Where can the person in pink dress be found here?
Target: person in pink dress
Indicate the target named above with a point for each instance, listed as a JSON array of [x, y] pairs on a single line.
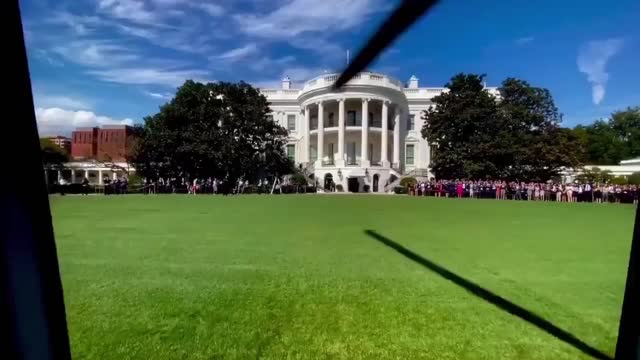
[[460, 189]]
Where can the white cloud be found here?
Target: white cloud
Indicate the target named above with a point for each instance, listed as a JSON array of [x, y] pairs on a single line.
[[161, 96], [211, 9], [57, 121], [51, 101], [592, 61], [263, 63], [95, 53], [524, 40], [237, 53], [300, 16], [132, 10], [149, 76]]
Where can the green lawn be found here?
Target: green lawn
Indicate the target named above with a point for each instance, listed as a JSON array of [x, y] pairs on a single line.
[[275, 277]]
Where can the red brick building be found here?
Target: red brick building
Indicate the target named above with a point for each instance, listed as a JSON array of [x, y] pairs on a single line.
[[109, 143], [84, 143]]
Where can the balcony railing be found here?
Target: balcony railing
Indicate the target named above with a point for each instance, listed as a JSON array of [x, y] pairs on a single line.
[[376, 163], [353, 162], [329, 162]]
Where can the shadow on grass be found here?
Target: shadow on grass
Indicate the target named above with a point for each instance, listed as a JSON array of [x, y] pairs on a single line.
[[492, 298]]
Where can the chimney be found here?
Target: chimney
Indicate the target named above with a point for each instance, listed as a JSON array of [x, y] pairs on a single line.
[[413, 82], [286, 83]]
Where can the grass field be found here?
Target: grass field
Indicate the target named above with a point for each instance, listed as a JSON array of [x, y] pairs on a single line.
[[275, 277]]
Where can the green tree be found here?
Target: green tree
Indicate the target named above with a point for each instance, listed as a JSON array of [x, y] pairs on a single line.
[[218, 130], [540, 146], [53, 155], [634, 178], [464, 127], [607, 142], [517, 137]]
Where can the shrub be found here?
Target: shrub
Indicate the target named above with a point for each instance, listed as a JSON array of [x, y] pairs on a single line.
[[400, 190], [366, 188], [619, 180], [634, 179], [298, 179], [339, 188], [409, 180], [135, 181]]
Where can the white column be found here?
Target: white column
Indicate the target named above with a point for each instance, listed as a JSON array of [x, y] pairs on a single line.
[[320, 134], [396, 138], [86, 174], [340, 160], [46, 176], [307, 137], [384, 150], [59, 175], [114, 176], [73, 176], [364, 146], [100, 177]]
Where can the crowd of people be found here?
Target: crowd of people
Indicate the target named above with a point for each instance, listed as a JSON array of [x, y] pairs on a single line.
[[535, 191], [205, 186], [117, 186]]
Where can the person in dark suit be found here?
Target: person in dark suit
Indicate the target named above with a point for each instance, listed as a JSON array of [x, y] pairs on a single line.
[[85, 186]]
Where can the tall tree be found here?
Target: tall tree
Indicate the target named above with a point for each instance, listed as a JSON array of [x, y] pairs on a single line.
[[216, 129], [53, 155], [516, 137], [463, 126], [540, 147], [607, 142]]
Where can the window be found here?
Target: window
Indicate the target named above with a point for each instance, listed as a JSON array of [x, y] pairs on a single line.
[[409, 154], [291, 152], [411, 124], [370, 119], [351, 118], [351, 153], [331, 121], [314, 122], [291, 122], [314, 153], [330, 153]]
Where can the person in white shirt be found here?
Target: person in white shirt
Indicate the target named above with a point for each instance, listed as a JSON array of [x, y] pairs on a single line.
[[62, 184]]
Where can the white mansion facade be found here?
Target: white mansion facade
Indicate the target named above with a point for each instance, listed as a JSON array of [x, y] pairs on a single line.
[[362, 137]]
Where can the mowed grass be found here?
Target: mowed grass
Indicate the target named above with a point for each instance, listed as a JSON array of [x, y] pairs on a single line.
[[296, 277]]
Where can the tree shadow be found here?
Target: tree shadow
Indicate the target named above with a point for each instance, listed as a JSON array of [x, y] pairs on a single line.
[[492, 298]]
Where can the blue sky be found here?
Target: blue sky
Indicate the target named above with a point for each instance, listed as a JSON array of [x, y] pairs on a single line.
[[96, 62]]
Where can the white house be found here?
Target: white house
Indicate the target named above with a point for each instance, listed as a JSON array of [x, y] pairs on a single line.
[[365, 134], [624, 169]]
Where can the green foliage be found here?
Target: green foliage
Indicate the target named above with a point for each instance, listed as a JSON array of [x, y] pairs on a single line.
[[619, 180], [406, 181], [52, 154], [298, 179], [517, 137], [607, 142], [218, 130], [135, 181], [399, 190], [634, 179], [594, 175]]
